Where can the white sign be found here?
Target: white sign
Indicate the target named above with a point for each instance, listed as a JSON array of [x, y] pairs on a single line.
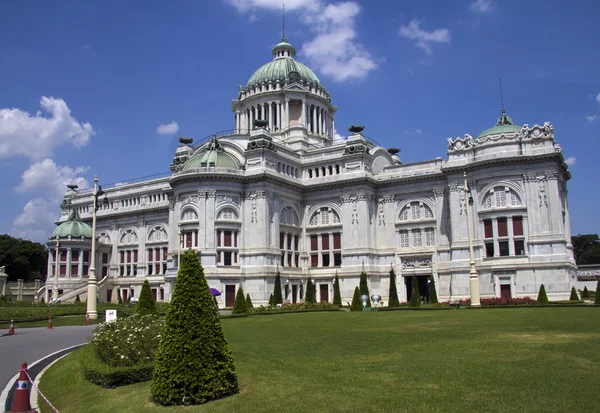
[[111, 315]]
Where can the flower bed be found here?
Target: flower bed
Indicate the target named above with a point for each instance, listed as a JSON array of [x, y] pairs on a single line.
[[294, 308]]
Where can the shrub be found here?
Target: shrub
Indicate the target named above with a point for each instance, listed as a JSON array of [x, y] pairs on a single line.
[[432, 292], [574, 296], [42, 301], [193, 363], [249, 304], [310, 292], [146, 304], [356, 302], [364, 287], [597, 296], [337, 297], [507, 301], [393, 296], [97, 372], [415, 296], [277, 298], [77, 300], [295, 308], [542, 296], [586, 293], [239, 306], [120, 300], [271, 300]]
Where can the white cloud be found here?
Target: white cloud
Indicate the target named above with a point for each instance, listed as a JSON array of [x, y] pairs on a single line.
[[482, 6], [422, 37], [413, 132], [571, 161], [337, 138], [167, 128], [48, 182], [36, 136], [334, 51], [591, 118]]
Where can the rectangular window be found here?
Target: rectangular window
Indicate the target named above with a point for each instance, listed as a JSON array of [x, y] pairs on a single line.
[[295, 242], [520, 247], [196, 238], [105, 258], [128, 256], [227, 239], [74, 269], [164, 268], [74, 255], [165, 254], [122, 270], [314, 246], [135, 256], [122, 257], [188, 240], [289, 242], [337, 259], [289, 257], [227, 258], [281, 240], [63, 255], [63, 270], [517, 225], [487, 228], [157, 269], [489, 249], [502, 228], [85, 270], [314, 260], [86, 256], [297, 262], [129, 270], [337, 241], [325, 241], [150, 266], [104, 272], [218, 238], [283, 259], [235, 239], [503, 245], [325, 259]]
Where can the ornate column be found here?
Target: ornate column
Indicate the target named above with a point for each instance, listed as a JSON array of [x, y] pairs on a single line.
[[319, 119], [303, 116], [287, 113], [252, 114], [68, 262], [279, 124], [314, 120], [210, 219], [270, 116]]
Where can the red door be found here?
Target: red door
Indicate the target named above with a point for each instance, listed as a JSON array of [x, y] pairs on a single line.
[[505, 291], [125, 296], [324, 288], [229, 295], [294, 293]]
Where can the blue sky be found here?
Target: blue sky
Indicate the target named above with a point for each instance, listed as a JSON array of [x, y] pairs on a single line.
[[86, 85]]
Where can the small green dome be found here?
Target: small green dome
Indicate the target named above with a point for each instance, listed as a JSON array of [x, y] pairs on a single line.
[[283, 67], [212, 154], [73, 227], [504, 125]]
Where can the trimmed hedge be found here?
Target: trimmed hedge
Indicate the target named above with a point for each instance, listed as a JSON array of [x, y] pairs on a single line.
[[101, 374], [337, 296], [415, 295], [574, 295], [393, 295], [364, 286], [239, 305], [433, 299], [356, 303], [277, 297], [249, 304], [146, 304], [542, 296], [310, 296]]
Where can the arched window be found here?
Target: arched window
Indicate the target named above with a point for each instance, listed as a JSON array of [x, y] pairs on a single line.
[[189, 214], [324, 216], [416, 211], [501, 197], [289, 217], [227, 214]]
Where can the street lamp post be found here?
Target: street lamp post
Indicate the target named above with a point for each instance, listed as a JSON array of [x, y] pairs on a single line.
[[92, 291], [473, 279], [55, 286]]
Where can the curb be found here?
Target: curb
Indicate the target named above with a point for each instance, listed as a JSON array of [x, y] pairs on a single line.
[[8, 391]]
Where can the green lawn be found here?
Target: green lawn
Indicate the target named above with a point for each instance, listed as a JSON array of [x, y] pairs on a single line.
[[495, 360], [75, 320]]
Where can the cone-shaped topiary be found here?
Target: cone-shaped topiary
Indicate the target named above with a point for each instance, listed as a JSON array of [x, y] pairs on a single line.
[[249, 304], [120, 300], [597, 296], [146, 304], [77, 300], [271, 300], [337, 297], [415, 296], [278, 299], [574, 296], [586, 293], [542, 296], [393, 299], [310, 292], [239, 306], [356, 301], [42, 301], [432, 292], [193, 362], [364, 287]]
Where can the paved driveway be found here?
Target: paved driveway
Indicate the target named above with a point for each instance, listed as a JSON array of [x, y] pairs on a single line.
[[31, 344]]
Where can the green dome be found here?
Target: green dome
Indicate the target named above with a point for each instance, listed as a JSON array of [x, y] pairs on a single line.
[[212, 154], [73, 228], [504, 125], [282, 66]]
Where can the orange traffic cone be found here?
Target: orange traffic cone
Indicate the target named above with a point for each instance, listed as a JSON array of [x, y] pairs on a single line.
[[87, 319], [11, 329], [21, 398], [49, 322]]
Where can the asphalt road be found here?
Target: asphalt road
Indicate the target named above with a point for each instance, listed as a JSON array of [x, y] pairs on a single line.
[[31, 344]]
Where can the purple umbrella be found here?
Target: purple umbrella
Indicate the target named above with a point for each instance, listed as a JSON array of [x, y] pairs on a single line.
[[214, 292]]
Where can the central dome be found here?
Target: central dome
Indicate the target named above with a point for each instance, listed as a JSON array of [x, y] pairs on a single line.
[[283, 67]]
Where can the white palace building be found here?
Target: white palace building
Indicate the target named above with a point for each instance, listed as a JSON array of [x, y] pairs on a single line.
[[277, 193]]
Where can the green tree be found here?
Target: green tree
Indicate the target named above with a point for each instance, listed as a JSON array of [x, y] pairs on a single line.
[[415, 296], [393, 299], [77, 300], [574, 296], [337, 296], [432, 292], [277, 298], [271, 300], [597, 295], [586, 293], [586, 248], [364, 287], [542, 296], [356, 301], [146, 304], [42, 300], [193, 362], [310, 292], [23, 259], [239, 306], [120, 299], [249, 304]]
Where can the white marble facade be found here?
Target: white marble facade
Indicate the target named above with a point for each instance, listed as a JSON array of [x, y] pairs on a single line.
[[285, 196]]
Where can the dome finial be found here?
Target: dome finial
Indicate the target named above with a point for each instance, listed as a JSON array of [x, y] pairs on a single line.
[[504, 119], [283, 39]]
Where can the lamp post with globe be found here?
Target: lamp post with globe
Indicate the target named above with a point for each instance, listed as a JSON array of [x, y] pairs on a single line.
[[92, 290]]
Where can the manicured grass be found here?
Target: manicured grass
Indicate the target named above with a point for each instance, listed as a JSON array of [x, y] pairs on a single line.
[[76, 320], [513, 360]]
